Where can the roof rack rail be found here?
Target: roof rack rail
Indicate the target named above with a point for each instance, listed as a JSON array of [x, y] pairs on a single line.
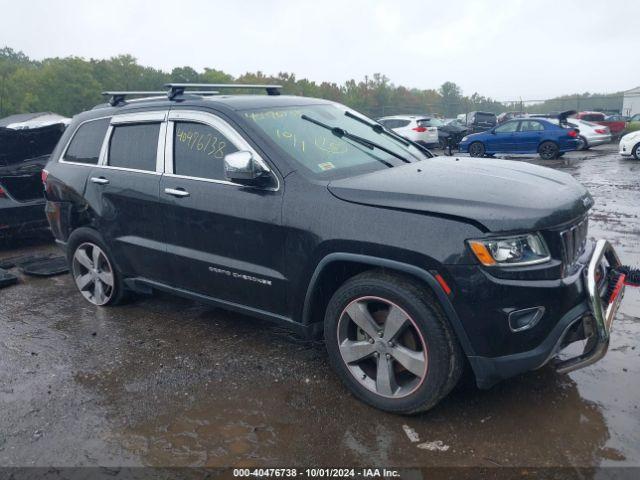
[[120, 96], [176, 89]]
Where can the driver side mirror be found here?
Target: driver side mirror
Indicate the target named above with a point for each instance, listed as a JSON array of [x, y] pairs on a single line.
[[241, 167]]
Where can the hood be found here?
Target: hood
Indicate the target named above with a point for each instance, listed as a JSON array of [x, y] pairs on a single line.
[[501, 195]]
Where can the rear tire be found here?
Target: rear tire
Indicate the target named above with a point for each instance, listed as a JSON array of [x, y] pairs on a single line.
[[390, 343], [548, 150], [93, 269], [476, 149], [636, 152]]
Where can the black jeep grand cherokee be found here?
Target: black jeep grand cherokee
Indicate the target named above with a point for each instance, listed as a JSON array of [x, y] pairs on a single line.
[[303, 211]]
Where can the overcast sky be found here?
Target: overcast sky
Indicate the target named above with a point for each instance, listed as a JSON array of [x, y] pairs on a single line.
[[503, 49]]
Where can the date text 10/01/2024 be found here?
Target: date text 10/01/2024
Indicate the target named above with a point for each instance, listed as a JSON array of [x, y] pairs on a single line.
[[317, 472]]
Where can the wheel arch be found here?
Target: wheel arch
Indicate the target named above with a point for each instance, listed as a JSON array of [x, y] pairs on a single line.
[[343, 266], [547, 140]]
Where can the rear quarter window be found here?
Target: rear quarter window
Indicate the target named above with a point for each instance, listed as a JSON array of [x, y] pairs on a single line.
[[87, 141]]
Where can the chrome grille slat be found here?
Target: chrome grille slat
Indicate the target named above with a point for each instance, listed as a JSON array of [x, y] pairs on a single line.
[[574, 240]]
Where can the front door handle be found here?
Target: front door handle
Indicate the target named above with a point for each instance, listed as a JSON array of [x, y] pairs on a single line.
[[99, 180], [177, 192]]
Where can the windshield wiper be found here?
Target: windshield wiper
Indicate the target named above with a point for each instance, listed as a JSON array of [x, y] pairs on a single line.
[[381, 129], [376, 127], [342, 133]]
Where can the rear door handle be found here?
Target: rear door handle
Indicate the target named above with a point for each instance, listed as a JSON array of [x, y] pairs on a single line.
[[177, 192], [99, 180]]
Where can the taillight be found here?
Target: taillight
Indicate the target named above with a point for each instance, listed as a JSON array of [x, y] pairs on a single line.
[[601, 131], [43, 175], [572, 133], [2, 193], [419, 129]]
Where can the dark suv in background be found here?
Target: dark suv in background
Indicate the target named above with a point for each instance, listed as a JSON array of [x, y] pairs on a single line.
[[481, 121], [304, 212]]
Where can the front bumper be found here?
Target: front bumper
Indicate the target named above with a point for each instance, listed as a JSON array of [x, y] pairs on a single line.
[[589, 319], [602, 314], [626, 148]]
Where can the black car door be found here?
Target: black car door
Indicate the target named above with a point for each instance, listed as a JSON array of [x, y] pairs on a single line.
[[123, 192], [224, 240]]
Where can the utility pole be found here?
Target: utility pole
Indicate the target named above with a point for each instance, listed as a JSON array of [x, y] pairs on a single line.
[[4, 76]]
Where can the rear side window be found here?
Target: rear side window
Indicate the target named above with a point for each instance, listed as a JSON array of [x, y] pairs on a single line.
[[592, 117], [134, 146], [395, 123], [199, 151], [87, 142]]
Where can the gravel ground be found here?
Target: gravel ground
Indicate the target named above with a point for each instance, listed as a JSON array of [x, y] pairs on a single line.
[[168, 382]]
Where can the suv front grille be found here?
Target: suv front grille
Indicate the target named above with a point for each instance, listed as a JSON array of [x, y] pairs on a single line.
[[574, 240]]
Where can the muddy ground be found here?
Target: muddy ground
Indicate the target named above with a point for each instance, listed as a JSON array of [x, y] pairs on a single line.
[[166, 381]]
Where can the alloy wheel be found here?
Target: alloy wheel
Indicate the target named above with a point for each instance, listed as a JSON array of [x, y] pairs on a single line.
[[548, 151], [476, 150], [93, 273], [382, 347]]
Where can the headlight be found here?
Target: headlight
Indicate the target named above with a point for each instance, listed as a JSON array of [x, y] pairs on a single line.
[[464, 139], [511, 251]]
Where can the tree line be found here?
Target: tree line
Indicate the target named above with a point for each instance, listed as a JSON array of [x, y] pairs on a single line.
[[72, 84]]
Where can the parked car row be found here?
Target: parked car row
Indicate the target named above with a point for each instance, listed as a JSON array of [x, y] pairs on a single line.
[[484, 133]]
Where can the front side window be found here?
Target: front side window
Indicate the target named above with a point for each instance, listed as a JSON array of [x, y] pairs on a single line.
[[199, 150], [531, 126], [322, 153], [508, 127], [134, 146], [87, 142]]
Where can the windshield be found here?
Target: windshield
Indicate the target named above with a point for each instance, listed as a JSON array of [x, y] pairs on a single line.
[[319, 151], [485, 117], [430, 122]]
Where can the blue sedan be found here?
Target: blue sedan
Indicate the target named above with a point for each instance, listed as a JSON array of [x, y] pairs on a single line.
[[547, 138]]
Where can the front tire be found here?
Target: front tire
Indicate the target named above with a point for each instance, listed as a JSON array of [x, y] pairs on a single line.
[[548, 151], [476, 149], [636, 152], [93, 269], [390, 343]]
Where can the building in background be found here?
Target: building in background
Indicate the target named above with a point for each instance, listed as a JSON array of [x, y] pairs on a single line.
[[631, 102]]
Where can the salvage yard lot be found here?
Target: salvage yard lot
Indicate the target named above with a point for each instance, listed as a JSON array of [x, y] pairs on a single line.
[[166, 381]]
